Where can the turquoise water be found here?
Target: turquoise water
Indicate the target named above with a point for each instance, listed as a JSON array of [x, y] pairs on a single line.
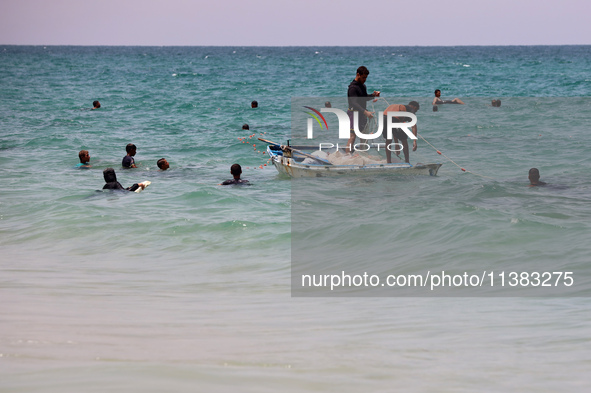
[[187, 286]]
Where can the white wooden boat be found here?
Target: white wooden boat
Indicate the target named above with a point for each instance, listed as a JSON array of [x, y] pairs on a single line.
[[290, 161]]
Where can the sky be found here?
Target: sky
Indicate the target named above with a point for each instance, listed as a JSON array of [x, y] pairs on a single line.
[[295, 23]]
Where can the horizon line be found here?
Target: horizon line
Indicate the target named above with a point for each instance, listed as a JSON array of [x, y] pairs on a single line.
[[295, 46]]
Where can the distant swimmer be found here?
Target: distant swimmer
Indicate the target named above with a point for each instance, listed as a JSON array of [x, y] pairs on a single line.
[[96, 105], [534, 178], [357, 99], [162, 164], [496, 103], [398, 133], [236, 171], [128, 161], [254, 104], [113, 184], [84, 157], [327, 104], [438, 101], [245, 127]]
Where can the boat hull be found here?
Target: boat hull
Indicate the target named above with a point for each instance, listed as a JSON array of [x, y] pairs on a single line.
[[293, 168]]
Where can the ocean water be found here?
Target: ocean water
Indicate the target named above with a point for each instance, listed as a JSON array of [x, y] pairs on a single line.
[[187, 286]]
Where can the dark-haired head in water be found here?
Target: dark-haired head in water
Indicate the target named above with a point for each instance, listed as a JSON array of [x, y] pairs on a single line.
[[96, 104], [254, 104], [245, 127], [534, 178], [236, 171], [162, 164], [113, 184]]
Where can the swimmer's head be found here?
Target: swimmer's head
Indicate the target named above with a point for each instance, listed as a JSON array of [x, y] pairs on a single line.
[[327, 104], [109, 175], [130, 149], [96, 104], [162, 164], [245, 127], [84, 156], [254, 104], [496, 103], [534, 175], [414, 105], [437, 93], [236, 170]]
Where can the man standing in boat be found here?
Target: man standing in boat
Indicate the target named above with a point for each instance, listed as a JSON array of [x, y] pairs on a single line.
[[358, 97], [399, 134]]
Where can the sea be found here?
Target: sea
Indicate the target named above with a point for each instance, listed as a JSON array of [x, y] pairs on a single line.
[[190, 286]]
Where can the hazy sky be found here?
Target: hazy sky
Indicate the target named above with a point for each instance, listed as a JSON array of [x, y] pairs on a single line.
[[297, 22]]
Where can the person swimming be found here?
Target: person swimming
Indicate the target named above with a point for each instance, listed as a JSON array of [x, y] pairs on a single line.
[[84, 157], [438, 101], [534, 178], [113, 184], [162, 164], [236, 171], [128, 161], [96, 105]]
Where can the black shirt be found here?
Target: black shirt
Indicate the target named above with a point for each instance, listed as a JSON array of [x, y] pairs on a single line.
[[358, 96], [127, 161], [234, 181], [117, 186]]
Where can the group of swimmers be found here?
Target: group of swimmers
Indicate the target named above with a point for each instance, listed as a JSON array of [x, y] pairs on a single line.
[[128, 162], [534, 173]]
